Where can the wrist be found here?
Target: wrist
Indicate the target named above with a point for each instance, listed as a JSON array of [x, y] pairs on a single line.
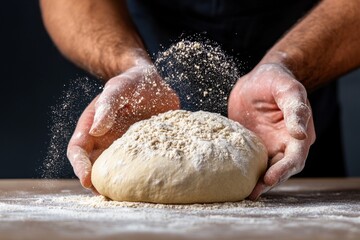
[[292, 60], [295, 62], [117, 64]]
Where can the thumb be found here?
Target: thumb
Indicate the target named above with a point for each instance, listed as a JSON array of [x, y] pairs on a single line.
[[113, 98], [295, 108], [104, 119], [81, 164]]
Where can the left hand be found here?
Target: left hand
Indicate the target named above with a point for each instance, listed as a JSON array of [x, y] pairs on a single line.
[[134, 95], [272, 103]]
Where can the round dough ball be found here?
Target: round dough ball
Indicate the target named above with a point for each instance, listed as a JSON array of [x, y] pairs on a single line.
[[181, 157]]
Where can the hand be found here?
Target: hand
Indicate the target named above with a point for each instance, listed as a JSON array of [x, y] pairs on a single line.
[[127, 98], [273, 104]]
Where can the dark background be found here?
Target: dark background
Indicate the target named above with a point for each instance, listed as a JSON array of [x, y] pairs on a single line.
[[35, 77]]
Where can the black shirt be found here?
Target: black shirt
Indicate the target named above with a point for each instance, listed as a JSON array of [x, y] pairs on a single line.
[[247, 29]]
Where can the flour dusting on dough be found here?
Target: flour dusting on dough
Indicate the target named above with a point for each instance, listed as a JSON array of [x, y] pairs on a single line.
[[181, 157]]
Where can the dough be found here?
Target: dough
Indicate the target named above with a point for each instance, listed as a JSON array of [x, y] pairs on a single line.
[[181, 157]]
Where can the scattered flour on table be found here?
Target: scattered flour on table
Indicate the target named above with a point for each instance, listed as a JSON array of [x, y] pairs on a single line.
[[326, 215], [102, 202]]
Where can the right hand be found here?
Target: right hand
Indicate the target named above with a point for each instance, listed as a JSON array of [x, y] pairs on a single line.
[[273, 104], [134, 95]]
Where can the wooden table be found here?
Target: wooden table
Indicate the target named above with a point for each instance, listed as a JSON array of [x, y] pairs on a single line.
[[298, 209]]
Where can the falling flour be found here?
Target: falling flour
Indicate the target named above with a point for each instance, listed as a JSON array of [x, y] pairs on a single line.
[[198, 70], [63, 118], [201, 73]]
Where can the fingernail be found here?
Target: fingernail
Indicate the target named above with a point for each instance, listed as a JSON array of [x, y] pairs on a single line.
[[256, 197], [303, 129], [93, 130], [265, 190], [103, 120], [89, 186], [85, 181]]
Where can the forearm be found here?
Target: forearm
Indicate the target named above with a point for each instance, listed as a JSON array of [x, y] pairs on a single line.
[[322, 46], [98, 36]]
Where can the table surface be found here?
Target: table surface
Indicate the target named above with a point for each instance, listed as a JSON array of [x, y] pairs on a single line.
[[298, 209]]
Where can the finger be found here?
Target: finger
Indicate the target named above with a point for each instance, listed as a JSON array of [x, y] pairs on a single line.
[[293, 162], [80, 145], [81, 164], [259, 189], [104, 119], [94, 191], [292, 100], [114, 97]]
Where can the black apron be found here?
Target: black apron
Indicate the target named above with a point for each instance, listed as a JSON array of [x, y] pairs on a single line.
[[246, 29]]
